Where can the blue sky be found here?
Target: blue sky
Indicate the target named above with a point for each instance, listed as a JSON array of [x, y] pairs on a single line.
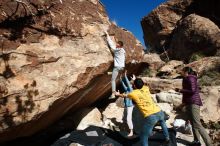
[[128, 13]]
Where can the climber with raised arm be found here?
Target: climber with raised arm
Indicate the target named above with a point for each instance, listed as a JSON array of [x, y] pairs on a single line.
[[119, 61]]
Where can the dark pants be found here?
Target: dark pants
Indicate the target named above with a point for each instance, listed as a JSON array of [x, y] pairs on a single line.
[[194, 116]]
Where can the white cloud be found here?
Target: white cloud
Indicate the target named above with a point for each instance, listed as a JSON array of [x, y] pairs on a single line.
[[114, 22]]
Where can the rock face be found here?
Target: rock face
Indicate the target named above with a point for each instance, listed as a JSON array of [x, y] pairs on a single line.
[[92, 117], [152, 64], [170, 66], [211, 100], [208, 70], [169, 97], [153, 60], [54, 59], [114, 111], [157, 85], [195, 34], [184, 28], [160, 23], [170, 70], [206, 64]]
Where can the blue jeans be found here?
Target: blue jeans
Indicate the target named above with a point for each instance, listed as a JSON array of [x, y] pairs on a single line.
[[148, 125], [114, 76]]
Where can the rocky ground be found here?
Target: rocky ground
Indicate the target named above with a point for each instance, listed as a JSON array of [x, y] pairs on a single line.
[[112, 118]]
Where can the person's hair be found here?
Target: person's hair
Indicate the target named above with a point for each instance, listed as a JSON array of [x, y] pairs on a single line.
[[194, 73], [189, 70], [120, 43], [138, 83], [129, 77]]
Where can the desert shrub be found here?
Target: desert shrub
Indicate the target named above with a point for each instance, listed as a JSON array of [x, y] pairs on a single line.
[[147, 72], [210, 78], [196, 56]]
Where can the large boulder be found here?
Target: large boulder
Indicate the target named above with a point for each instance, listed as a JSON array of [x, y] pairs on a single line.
[[211, 103], [166, 107], [206, 64], [194, 34], [152, 64], [157, 85], [208, 70], [153, 60], [159, 24], [165, 27], [169, 70], [88, 117], [54, 60], [114, 113], [170, 66], [169, 97]]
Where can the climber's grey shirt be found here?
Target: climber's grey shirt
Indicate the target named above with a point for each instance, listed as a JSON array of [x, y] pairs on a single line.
[[119, 53]]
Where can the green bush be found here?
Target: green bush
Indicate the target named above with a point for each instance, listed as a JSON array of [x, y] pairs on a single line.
[[210, 78], [147, 72], [196, 56]]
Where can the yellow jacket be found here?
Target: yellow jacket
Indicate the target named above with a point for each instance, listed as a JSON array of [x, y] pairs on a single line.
[[144, 101]]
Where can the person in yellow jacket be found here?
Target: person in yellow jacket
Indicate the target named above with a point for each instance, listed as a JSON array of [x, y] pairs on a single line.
[[151, 112]]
